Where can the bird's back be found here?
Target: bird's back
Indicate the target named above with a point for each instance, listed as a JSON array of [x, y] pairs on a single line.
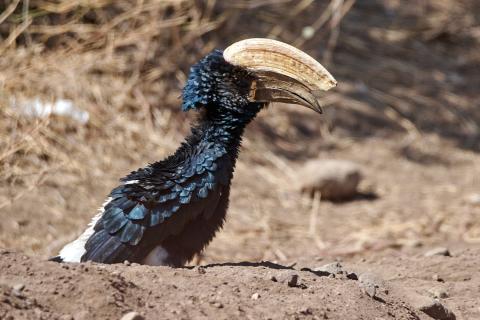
[[154, 207]]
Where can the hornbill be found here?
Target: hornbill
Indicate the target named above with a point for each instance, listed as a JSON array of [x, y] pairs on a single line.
[[168, 211]]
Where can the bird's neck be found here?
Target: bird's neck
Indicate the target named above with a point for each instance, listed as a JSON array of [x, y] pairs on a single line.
[[225, 128]]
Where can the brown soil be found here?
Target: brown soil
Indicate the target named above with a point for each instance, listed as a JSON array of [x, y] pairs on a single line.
[[406, 110], [35, 289]]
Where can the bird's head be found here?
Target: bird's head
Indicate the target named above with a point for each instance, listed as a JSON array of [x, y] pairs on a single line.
[[255, 71]]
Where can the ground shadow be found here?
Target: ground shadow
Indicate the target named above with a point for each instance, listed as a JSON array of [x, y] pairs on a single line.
[[264, 264]]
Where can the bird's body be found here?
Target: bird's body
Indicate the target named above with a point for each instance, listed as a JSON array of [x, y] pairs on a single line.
[[168, 211]]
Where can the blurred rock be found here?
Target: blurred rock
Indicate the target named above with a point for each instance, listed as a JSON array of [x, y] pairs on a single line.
[[352, 276], [132, 316], [18, 287], [17, 290], [331, 268], [429, 306], [370, 283], [289, 277], [333, 179], [436, 310], [201, 270], [473, 199], [438, 293], [436, 277], [440, 251]]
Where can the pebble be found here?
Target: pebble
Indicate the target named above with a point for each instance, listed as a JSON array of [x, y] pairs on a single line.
[[473, 198], [436, 310], [18, 287], [306, 311], [369, 288], [334, 179], [201, 270], [255, 296], [293, 280], [432, 307], [331, 268], [370, 283], [352, 276], [438, 293], [132, 316], [436, 277], [440, 251], [290, 278]]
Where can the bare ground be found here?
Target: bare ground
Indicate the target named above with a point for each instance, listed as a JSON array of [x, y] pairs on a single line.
[[34, 289]]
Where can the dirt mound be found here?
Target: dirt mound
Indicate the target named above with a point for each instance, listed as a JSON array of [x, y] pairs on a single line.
[[398, 288], [405, 109]]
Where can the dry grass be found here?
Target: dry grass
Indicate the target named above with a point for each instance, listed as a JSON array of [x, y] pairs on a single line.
[[124, 62]]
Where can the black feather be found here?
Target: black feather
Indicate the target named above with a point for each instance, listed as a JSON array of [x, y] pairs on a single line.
[[179, 203]]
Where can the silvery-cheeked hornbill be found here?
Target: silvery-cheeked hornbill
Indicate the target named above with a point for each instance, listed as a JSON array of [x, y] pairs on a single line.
[[169, 211]]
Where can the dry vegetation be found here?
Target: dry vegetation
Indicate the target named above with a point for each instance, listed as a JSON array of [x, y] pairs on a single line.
[[407, 108]]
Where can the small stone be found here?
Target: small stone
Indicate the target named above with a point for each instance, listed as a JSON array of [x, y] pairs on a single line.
[[331, 268], [473, 199], [438, 293], [436, 310], [440, 251], [132, 316], [293, 280], [218, 305], [436, 277], [18, 287], [273, 278], [66, 317], [429, 306], [333, 179], [370, 289], [127, 263], [307, 311], [370, 283], [290, 278], [413, 243], [201, 270], [255, 296], [352, 276]]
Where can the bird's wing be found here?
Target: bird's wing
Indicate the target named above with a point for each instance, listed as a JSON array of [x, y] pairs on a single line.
[[158, 201]]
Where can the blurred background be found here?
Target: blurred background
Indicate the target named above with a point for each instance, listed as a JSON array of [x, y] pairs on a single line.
[[89, 90]]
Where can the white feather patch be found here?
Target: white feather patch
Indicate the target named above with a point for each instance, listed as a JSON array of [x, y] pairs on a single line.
[[74, 251], [157, 257]]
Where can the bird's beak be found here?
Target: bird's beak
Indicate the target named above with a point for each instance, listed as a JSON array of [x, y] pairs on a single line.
[[283, 73]]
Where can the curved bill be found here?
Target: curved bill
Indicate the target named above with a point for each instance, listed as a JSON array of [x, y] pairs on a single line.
[[284, 73]]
